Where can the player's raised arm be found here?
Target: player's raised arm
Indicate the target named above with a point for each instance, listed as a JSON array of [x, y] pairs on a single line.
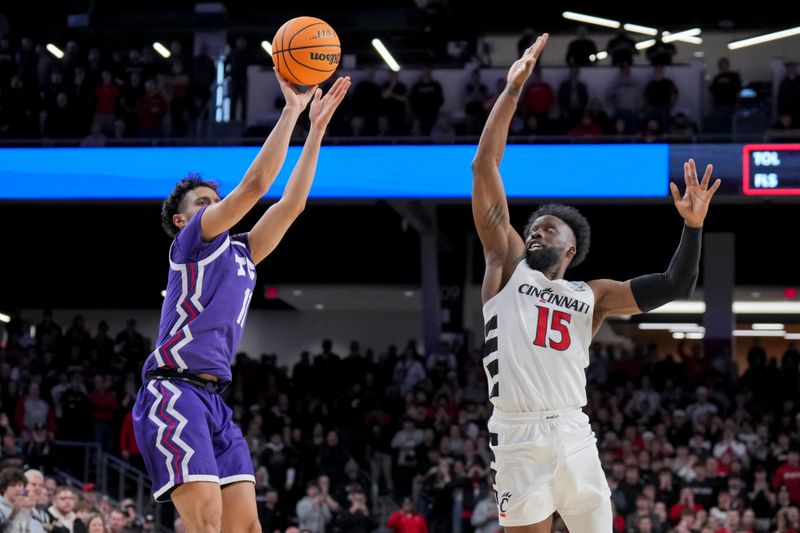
[[501, 244], [272, 226], [222, 216], [645, 293]]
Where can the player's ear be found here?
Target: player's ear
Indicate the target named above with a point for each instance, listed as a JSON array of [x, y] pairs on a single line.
[[179, 220], [571, 251]]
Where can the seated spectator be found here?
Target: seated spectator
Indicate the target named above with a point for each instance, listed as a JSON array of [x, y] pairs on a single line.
[[63, 512], [16, 505]]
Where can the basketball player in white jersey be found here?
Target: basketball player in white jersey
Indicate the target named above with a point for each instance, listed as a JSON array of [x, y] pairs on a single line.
[[538, 330]]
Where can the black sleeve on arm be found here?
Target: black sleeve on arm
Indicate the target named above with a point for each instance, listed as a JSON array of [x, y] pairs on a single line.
[[654, 290]]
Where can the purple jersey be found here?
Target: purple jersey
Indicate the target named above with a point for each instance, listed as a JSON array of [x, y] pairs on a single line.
[[208, 292]]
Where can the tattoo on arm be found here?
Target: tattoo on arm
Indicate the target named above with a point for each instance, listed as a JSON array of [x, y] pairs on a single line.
[[494, 216], [513, 90]]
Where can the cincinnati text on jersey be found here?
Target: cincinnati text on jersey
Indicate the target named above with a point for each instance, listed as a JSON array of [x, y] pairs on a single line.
[[548, 296]]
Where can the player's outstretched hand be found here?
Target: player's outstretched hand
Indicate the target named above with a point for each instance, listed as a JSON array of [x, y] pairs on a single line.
[[521, 70], [693, 205], [322, 107], [295, 100]]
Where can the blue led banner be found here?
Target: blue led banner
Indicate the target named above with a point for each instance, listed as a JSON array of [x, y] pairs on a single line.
[[529, 171]]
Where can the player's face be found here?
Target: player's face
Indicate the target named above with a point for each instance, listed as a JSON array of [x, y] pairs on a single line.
[[192, 203], [548, 242]]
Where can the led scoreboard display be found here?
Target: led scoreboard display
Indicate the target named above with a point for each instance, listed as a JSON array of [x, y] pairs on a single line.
[[771, 169]]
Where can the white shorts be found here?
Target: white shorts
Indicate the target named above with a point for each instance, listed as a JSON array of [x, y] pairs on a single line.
[[544, 462]]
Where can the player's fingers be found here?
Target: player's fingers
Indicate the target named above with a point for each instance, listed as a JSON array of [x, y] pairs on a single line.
[[686, 179], [539, 45], [676, 194], [707, 176], [714, 187], [693, 172]]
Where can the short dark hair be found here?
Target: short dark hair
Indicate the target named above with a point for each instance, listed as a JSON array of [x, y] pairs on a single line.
[[172, 204], [11, 476], [572, 218]]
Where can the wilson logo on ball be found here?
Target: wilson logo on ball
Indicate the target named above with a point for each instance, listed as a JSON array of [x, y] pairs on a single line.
[[332, 59]]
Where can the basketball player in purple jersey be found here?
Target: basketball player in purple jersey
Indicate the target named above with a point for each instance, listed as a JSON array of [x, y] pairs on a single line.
[[195, 454]]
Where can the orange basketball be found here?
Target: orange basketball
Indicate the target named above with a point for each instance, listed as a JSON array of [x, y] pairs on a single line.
[[306, 51]]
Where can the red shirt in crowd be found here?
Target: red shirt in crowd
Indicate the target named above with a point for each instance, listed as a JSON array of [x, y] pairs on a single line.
[[677, 509], [127, 439], [400, 522], [790, 476], [106, 95], [104, 405]]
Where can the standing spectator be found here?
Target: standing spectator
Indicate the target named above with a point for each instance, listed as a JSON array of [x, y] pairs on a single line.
[[130, 343], [573, 97], [178, 82], [15, 505], [405, 441], [104, 408], [789, 94], [32, 410], [395, 104], [525, 41], [660, 96], [151, 110], [366, 106], [271, 515], [202, 74], [96, 138], [625, 99], [426, 99], [39, 448], [75, 422], [63, 511], [580, 49], [238, 61], [27, 62], [313, 512], [473, 96], [106, 95], [407, 520], [484, 515], [621, 48], [660, 54], [724, 94], [539, 98], [408, 372], [356, 518], [130, 94]]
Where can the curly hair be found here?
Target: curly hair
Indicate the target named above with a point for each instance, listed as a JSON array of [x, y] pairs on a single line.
[[572, 218], [172, 204]]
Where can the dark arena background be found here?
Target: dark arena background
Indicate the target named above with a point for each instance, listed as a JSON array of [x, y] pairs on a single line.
[[359, 382]]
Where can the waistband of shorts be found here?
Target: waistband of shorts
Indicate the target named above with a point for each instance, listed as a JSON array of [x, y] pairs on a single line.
[[186, 377], [538, 416]]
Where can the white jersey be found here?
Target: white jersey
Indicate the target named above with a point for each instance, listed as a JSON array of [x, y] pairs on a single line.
[[538, 333]]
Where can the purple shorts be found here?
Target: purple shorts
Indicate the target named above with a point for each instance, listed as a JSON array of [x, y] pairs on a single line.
[[185, 433]]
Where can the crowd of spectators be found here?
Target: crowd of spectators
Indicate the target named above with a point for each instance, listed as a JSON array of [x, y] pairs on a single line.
[[31, 502], [397, 439], [105, 97]]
